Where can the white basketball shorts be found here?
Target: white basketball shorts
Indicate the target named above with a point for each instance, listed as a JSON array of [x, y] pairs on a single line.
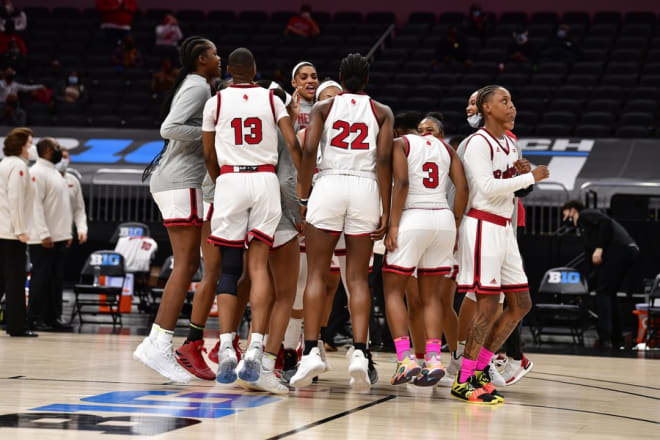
[[180, 207]]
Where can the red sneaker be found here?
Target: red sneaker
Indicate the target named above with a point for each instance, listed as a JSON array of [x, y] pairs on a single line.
[[213, 354], [279, 362], [189, 356], [237, 348]]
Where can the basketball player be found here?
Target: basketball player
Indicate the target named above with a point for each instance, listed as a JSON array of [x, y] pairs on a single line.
[[240, 147], [176, 183], [421, 237], [305, 81], [432, 124], [354, 175], [490, 261]]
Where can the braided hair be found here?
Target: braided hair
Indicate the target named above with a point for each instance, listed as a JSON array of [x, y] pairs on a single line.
[[482, 96], [354, 72], [191, 48]]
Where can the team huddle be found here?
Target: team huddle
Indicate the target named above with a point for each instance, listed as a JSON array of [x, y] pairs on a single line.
[[287, 195]]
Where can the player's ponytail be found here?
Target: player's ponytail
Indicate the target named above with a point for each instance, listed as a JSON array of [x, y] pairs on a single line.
[[354, 72]]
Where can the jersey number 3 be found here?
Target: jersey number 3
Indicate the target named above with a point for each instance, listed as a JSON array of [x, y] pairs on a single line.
[[431, 180], [253, 134], [345, 129]]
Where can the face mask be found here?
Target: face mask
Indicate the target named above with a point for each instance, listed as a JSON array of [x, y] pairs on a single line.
[[474, 120], [32, 153], [73, 80], [62, 165], [57, 156], [521, 38], [568, 223], [561, 33]]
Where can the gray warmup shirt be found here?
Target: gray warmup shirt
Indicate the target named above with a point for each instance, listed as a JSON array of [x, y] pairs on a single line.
[[287, 175], [182, 165], [208, 189]]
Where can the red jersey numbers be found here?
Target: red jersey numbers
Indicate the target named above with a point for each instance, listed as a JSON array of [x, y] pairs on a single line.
[[251, 135], [345, 129], [432, 179]]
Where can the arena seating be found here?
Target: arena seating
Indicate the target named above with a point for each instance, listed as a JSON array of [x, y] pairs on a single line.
[[611, 91]]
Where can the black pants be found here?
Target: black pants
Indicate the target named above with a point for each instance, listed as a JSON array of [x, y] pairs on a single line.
[[46, 284], [610, 276], [512, 344], [12, 283]]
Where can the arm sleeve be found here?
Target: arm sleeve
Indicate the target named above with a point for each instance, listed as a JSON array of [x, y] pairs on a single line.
[[605, 232], [280, 109], [27, 88], [479, 165], [39, 217], [79, 215], [17, 187], [188, 104], [209, 114]]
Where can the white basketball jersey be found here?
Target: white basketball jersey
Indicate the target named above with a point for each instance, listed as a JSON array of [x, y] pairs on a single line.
[[137, 252], [491, 175], [244, 118], [429, 162], [349, 135]]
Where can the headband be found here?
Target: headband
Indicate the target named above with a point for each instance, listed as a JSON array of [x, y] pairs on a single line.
[[298, 66], [325, 85]]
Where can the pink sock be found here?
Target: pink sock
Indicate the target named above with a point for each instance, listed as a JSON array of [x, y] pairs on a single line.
[[484, 358], [402, 346], [433, 347], [467, 369]]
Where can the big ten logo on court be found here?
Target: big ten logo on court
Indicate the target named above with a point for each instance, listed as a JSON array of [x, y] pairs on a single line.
[[185, 405], [104, 260], [564, 277]]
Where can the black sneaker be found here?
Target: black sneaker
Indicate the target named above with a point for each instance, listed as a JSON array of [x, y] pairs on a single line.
[[373, 373], [290, 365]]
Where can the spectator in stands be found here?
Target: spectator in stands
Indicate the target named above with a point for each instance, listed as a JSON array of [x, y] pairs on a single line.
[[303, 25], [9, 36], [12, 114], [116, 18], [72, 89], [15, 211], [561, 47], [168, 33], [453, 48], [50, 234], [479, 23], [8, 13], [14, 58], [521, 50], [163, 80], [127, 55], [611, 254], [10, 109]]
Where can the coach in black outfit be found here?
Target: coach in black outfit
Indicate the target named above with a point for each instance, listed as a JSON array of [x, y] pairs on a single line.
[[613, 254]]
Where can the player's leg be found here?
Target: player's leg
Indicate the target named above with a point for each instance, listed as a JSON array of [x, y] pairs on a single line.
[[416, 318], [449, 317], [293, 332], [332, 284]]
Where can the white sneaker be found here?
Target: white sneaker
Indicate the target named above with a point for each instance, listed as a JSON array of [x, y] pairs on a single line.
[[161, 359], [310, 365], [495, 376], [454, 364], [358, 369], [226, 365], [250, 369], [515, 370], [269, 383], [500, 361], [324, 358]]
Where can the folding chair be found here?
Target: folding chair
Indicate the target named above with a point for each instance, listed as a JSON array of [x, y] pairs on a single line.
[[653, 314]]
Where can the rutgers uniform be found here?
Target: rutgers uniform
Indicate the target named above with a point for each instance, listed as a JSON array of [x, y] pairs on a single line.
[[490, 261], [345, 196], [427, 231], [247, 197]]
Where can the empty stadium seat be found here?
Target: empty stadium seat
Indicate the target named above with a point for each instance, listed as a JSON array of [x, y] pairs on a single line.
[[598, 118], [553, 130], [632, 131], [593, 131], [559, 117], [636, 118]]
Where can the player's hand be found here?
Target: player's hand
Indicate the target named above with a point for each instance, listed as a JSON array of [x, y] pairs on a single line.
[[391, 239], [82, 237], [303, 213], [541, 172], [382, 227], [23, 238], [522, 166], [597, 257], [47, 243], [294, 106]]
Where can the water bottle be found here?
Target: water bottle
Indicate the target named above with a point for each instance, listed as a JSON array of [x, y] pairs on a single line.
[[97, 276]]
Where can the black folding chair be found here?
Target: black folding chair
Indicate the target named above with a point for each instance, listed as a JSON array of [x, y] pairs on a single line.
[[130, 229], [653, 320], [140, 279], [90, 295]]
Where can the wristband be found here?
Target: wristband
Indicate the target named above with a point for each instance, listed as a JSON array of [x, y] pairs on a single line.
[[302, 202]]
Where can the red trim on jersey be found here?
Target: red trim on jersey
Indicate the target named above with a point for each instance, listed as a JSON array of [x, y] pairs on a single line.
[[489, 145], [210, 214], [364, 234], [244, 86], [334, 270], [488, 217], [434, 271], [449, 150], [193, 220], [373, 109], [226, 169], [507, 149], [509, 288], [478, 288], [257, 234], [329, 231], [272, 105], [397, 269], [477, 254], [332, 102], [222, 242], [511, 135], [340, 252], [406, 149], [217, 108]]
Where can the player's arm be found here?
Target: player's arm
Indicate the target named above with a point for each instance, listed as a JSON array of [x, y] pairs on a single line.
[[457, 176], [384, 166], [310, 148], [209, 118], [399, 191], [175, 126], [291, 141]]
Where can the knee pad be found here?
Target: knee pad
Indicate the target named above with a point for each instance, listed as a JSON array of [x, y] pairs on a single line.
[[232, 268]]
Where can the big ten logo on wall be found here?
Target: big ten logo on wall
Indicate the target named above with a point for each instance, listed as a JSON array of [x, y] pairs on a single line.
[[564, 277], [107, 259], [131, 231]]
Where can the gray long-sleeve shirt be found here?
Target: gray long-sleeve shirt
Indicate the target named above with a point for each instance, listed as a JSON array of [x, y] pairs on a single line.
[[287, 175], [182, 164]]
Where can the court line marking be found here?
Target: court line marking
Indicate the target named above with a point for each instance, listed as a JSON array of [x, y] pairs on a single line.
[[596, 387], [331, 418], [597, 380]]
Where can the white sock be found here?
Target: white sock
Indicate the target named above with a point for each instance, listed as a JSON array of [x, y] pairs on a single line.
[[233, 335], [292, 334], [153, 334], [257, 341], [265, 340], [164, 337], [225, 341], [460, 348], [268, 362]]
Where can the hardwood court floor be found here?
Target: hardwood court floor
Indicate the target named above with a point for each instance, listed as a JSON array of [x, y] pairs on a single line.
[[72, 386]]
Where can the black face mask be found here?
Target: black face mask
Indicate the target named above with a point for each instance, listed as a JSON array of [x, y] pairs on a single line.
[[57, 156], [568, 223]]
